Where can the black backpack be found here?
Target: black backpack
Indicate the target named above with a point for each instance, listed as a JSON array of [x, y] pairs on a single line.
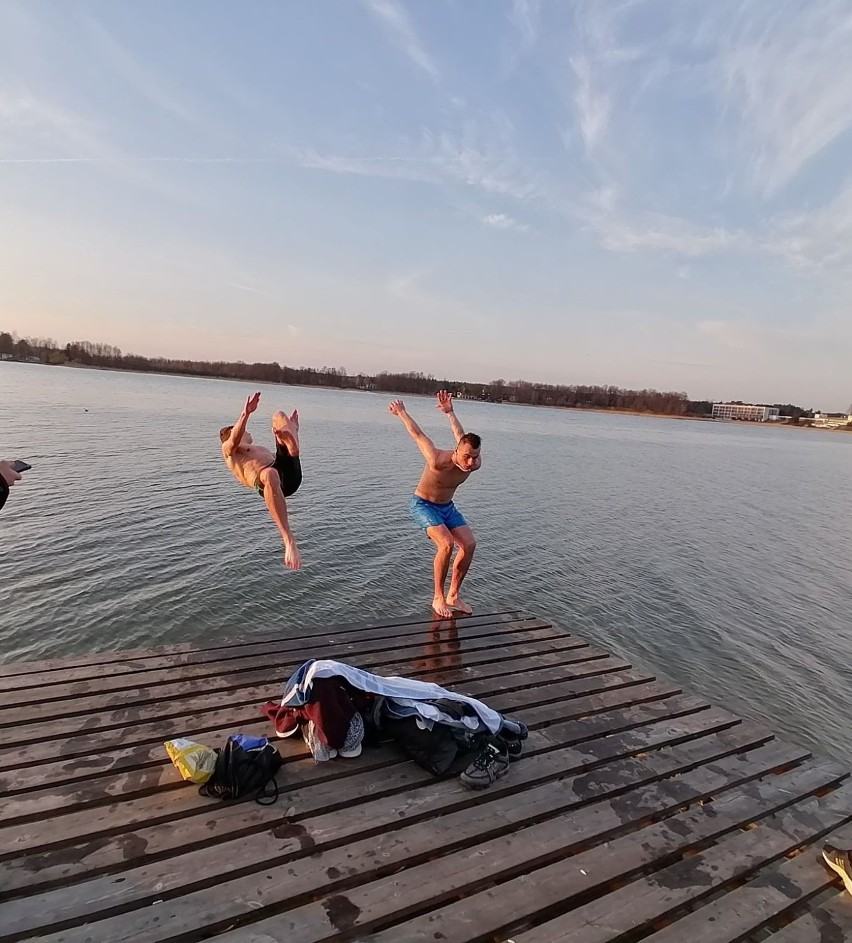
[[240, 772]]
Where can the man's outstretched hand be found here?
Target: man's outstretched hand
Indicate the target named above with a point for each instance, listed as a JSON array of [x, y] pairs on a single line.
[[397, 407], [445, 402], [252, 404]]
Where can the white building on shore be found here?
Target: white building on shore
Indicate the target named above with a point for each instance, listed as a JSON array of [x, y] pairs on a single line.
[[745, 411]]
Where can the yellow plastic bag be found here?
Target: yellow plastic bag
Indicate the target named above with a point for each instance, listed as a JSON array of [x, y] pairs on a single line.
[[194, 761]]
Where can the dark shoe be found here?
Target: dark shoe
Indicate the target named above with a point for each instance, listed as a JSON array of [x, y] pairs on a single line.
[[513, 748], [490, 764], [841, 862]]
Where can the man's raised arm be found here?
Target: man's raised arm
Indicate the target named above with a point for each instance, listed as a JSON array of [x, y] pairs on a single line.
[[445, 404], [424, 443], [239, 428]]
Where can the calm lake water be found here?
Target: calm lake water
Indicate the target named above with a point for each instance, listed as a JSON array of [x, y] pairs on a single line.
[[717, 555]]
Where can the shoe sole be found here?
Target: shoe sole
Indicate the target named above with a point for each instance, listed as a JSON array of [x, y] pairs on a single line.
[[286, 733], [847, 880], [350, 754], [483, 785]]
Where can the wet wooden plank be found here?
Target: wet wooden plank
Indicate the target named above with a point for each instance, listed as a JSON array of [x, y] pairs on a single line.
[[775, 890], [402, 843], [416, 622], [272, 656], [154, 696], [59, 786], [92, 791], [650, 898], [588, 676], [636, 811], [381, 904], [377, 639], [410, 791], [830, 923]]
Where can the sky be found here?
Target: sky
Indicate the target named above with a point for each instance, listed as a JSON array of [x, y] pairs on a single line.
[[650, 193]]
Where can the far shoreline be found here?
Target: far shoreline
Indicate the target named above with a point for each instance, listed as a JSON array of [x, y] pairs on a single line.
[[597, 410]]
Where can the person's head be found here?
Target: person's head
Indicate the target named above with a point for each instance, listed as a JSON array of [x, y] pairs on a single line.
[[467, 451], [225, 434]]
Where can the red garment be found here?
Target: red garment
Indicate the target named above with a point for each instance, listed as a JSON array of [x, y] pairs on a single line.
[[331, 708]]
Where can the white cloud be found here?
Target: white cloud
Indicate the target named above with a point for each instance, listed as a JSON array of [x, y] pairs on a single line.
[[593, 105], [503, 221], [401, 30], [525, 16], [787, 74], [481, 156]]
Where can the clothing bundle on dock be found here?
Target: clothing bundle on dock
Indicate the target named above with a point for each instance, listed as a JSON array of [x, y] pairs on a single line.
[[336, 706]]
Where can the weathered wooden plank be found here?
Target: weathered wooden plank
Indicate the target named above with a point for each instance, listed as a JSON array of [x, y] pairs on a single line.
[[587, 676], [269, 681], [35, 804], [195, 724], [745, 910], [100, 659], [410, 791], [410, 636], [405, 844], [651, 898], [274, 657], [153, 707], [381, 904], [830, 923], [60, 787], [76, 797]]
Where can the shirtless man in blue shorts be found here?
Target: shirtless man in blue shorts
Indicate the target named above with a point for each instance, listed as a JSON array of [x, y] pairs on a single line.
[[432, 505], [273, 477]]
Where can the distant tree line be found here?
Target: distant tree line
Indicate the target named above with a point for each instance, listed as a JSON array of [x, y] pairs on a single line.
[[87, 353]]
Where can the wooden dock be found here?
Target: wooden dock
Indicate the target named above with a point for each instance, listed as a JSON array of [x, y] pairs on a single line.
[[638, 812]]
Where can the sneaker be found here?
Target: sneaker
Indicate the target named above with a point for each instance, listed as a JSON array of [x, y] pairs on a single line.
[[352, 744], [491, 763], [839, 861]]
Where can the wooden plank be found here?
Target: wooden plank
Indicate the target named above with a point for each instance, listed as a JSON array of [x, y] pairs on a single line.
[[34, 805], [39, 750], [74, 799], [651, 898], [408, 791], [115, 657], [271, 680], [379, 905], [156, 695], [510, 633], [117, 708], [404, 843], [52, 776], [588, 677], [771, 893], [374, 641], [831, 923]]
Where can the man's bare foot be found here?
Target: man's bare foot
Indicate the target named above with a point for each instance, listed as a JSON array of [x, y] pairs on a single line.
[[454, 602], [292, 557], [286, 430], [440, 608]]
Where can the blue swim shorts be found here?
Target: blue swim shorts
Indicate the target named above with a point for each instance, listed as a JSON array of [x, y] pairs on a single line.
[[429, 514]]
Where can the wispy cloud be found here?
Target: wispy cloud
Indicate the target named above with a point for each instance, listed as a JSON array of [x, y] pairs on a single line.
[[525, 16], [401, 30], [593, 105], [787, 73], [481, 156], [503, 221]]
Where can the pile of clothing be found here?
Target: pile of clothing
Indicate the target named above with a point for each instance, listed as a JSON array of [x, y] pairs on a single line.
[[338, 708]]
